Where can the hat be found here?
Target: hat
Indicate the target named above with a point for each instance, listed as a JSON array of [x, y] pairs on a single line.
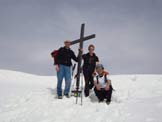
[[99, 66]]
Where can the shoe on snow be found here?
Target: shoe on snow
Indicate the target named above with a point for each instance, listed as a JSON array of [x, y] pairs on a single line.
[[67, 95], [108, 102], [60, 97], [100, 101]]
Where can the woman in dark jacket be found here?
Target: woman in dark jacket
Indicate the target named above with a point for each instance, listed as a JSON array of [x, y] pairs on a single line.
[[90, 61]]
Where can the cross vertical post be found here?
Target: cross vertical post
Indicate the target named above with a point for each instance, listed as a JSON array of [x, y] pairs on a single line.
[[80, 59], [79, 69]]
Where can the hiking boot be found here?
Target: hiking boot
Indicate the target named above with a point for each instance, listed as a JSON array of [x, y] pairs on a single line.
[[100, 101], [60, 97], [108, 102], [67, 95]]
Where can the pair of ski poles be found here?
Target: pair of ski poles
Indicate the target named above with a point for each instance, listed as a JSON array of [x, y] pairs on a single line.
[[77, 92]]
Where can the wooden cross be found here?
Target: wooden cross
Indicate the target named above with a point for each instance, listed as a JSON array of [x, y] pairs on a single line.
[[80, 41]]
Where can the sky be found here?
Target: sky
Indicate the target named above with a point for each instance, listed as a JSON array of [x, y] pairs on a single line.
[[128, 33]]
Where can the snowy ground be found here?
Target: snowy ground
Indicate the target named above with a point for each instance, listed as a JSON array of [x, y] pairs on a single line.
[[30, 98]]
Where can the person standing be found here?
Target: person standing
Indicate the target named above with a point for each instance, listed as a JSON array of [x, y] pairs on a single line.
[[62, 66], [90, 60]]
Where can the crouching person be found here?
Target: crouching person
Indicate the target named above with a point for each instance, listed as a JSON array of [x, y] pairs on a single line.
[[103, 88]]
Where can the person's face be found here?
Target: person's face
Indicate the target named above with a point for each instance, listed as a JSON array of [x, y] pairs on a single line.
[[91, 49], [99, 71], [67, 44]]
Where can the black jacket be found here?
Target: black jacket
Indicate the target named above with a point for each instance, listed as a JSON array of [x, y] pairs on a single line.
[[64, 56], [89, 62]]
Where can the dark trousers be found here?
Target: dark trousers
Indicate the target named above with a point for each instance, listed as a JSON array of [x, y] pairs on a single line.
[[103, 94], [88, 82]]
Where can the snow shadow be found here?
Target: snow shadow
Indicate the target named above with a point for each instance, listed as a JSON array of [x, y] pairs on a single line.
[[52, 91], [93, 97]]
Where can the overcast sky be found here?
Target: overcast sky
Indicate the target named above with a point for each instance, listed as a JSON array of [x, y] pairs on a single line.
[[128, 33]]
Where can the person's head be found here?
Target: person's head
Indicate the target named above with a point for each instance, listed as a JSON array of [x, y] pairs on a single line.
[[67, 43], [99, 69], [91, 48]]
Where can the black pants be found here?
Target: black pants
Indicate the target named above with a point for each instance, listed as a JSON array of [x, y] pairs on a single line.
[[88, 82], [103, 94]]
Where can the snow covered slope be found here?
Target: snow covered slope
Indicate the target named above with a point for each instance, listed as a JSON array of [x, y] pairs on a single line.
[[30, 98]]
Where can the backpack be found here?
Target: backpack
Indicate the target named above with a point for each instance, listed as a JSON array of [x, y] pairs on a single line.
[[54, 55], [105, 78]]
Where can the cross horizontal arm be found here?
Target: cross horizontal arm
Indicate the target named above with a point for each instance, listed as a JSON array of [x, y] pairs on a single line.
[[84, 39]]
